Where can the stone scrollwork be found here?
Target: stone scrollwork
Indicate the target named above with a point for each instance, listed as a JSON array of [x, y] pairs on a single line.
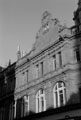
[[46, 17]]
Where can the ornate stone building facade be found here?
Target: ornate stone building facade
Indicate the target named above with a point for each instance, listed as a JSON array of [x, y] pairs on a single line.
[[49, 75], [48, 78]]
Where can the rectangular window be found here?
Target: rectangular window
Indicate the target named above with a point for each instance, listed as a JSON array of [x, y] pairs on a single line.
[[22, 107], [27, 74], [80, 94], [37, 70], [42, 68], [23, 76], [54, 62], [77, 55], [60, 59]]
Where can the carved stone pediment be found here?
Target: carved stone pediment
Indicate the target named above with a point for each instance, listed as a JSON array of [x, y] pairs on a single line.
[[49, 32]]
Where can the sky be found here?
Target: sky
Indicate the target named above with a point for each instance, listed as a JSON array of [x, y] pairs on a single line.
[[20, 20]]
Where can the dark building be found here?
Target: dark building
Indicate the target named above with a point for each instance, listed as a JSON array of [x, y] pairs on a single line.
[[7, 85]]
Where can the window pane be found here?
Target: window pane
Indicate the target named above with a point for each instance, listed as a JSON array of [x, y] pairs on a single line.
[[55, 88], [26, 109], [61, 99], [77, 55], [27, 75], [60, 92], [42, 104], [56, 96], [60, 58], [37, 71], [60, 84], [42, 68], [41, 91], [38, 105], [80, 94], [54, 62]]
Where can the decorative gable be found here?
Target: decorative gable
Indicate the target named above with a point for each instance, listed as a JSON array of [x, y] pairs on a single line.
[[49, 32]]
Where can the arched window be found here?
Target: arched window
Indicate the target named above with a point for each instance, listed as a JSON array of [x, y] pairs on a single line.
[[59, 92], [25, 105], [40, 101]]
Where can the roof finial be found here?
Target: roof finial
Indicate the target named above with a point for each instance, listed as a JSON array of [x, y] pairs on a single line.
[[18, 48], [18, 53]]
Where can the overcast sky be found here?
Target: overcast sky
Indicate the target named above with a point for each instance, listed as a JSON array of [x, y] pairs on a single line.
[[20, 20]]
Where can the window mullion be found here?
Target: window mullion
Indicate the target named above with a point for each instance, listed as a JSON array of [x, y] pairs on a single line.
[[44, 102], [58, 95], [36, 103], [40, 104], [64, 96], [55, 99], [28, 104]]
